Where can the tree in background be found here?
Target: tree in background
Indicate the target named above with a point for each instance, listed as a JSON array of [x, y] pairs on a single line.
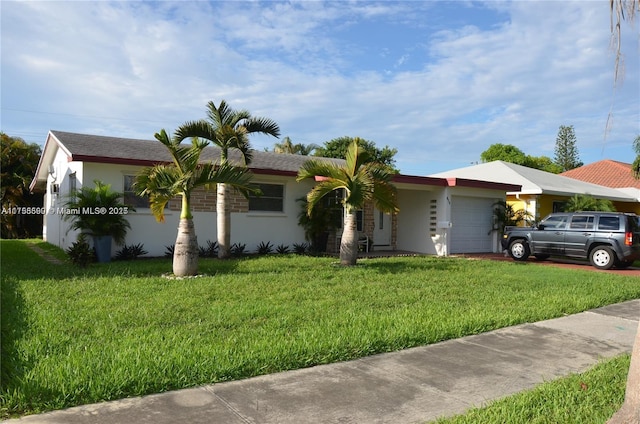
[[566, 152], [17, 169], [338, 147], [510, 153], [543, 163], [287, 146], [228, 129], [504, 152], [586, 202]]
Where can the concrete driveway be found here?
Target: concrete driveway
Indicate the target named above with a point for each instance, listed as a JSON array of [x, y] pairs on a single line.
[[557, 262]]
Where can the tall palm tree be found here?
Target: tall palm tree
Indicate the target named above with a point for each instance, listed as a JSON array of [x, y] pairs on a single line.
[[162, 182], [228, 129], [362, 181]]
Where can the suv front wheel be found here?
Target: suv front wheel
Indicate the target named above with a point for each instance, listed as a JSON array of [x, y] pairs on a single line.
[[602, 257], [519, 250]]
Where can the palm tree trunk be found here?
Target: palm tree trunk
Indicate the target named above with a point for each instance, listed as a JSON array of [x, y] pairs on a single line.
[[223, 219], [349, 241], [630, 411], [185, 252]]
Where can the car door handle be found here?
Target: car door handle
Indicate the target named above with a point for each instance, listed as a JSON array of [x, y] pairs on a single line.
[[586, 234]]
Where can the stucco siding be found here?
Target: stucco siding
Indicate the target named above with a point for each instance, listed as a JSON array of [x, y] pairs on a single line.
[[413, 224]]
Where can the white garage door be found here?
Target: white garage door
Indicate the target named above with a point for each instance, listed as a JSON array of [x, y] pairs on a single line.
[[471, 218]]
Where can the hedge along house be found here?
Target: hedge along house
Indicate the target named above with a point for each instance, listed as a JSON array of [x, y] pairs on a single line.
[[541, 192], [437, 216]]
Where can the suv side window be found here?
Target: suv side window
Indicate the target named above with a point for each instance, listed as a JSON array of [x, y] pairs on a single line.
[[555, 222], [609, 223], [582, 222]]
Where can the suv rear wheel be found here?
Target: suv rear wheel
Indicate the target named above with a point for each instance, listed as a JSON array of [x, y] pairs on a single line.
[[519, 250], [602, 257]]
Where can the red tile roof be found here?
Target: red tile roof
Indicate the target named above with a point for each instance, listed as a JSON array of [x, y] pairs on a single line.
[[608, 173]]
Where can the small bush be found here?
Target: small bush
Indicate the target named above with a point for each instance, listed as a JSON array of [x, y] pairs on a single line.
[[210, 250], [300, 248], [282, 249], [80, 252], [168, 252], [130, 252], [265, 248], [238, 249]]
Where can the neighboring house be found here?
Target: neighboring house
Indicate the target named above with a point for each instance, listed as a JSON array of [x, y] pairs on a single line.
[[609, 173], [437, 215], [541, 192]]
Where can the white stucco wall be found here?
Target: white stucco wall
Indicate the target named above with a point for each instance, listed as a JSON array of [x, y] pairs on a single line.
[[56, 230], [248, 228], [415, 224], [413, 231]]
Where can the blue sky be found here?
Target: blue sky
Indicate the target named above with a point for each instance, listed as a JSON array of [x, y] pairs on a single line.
[[439, 81]]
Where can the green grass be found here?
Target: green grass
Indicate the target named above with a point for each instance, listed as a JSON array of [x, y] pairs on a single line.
[[73, 336], [588, 398]]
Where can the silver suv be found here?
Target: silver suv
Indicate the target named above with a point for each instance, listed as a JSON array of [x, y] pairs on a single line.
[[604, 238]]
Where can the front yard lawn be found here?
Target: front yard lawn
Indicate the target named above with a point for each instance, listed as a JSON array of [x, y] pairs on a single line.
[[72, 336]]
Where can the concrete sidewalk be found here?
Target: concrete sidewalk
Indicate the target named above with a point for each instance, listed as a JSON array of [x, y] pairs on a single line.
[[413, 385]]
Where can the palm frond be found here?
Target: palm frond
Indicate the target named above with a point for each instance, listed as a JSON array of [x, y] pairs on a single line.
[[161, 183], [201, 129], [319, 191], [235, 176], [262, 125], [314, 167]]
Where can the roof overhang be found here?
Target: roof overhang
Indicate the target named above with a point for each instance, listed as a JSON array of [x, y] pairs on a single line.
[[488, 185]]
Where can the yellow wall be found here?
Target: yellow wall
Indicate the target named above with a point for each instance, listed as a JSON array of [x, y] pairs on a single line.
[[543, 204], [627, 207]]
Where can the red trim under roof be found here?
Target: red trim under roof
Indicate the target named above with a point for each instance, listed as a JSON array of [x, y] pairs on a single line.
[[415, 179], [119, 161], [398, 178]]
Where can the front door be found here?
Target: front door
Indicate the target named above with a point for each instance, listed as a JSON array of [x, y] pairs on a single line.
[[382, 229]]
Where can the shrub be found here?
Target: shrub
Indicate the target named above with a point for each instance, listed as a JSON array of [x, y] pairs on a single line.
[[210, 250], [265, 248], [80, 252], [300, 248], [237, 249], [168, 252], [282, 249], [130, 252]]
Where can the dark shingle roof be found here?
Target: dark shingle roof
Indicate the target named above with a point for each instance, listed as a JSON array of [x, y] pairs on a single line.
[[94, 148]]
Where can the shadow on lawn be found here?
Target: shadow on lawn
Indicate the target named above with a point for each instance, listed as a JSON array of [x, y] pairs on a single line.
[[399, 266], [13, 326]]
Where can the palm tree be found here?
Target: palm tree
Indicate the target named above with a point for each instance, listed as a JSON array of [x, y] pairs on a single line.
[[362, 181], [228, 129], [162, 182], [98, 215], [287, 146], [506, 215]]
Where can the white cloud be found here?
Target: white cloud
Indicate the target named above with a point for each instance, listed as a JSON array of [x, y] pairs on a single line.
[[130, 68]]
